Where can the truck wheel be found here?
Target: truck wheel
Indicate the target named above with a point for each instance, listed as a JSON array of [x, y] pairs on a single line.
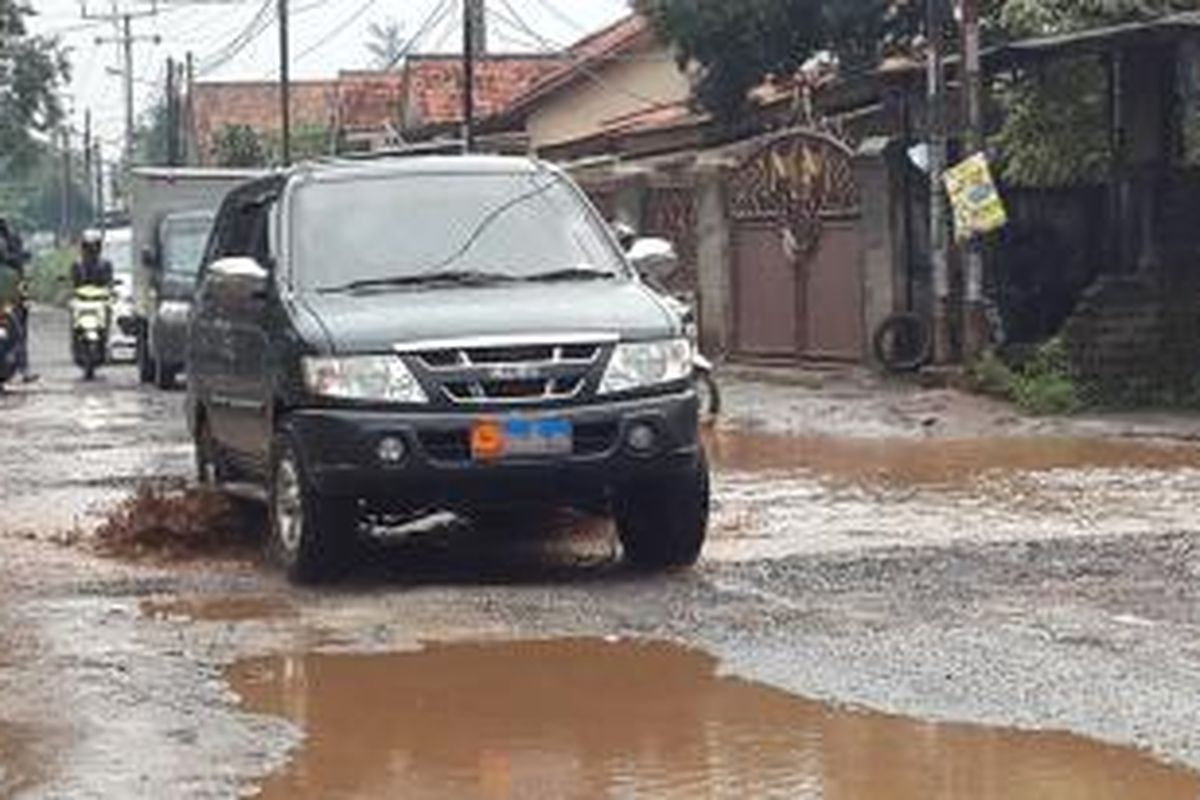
[[662, 523], [212, 468], [145, 363], [312, 537], [164, 375]]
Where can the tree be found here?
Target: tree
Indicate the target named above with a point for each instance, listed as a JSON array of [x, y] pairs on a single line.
[[152, 136], [239, 146], [385, 43], [31, 71], [738, 45]]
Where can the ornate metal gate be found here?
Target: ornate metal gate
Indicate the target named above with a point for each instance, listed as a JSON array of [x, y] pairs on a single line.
[[797, 280], [670, 212]]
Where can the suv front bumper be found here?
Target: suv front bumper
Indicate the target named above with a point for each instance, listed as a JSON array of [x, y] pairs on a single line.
[[341, 452]]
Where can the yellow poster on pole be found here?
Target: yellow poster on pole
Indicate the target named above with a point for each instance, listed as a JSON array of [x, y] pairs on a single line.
[[977, 205]]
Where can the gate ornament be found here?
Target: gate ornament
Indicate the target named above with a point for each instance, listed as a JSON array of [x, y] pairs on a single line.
[[797, 178]]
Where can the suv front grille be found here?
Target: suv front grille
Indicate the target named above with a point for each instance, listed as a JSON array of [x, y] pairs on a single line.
[[500, 371]]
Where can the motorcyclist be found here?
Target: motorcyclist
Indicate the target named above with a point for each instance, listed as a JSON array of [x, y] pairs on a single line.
[[92, 269], [12, 290]]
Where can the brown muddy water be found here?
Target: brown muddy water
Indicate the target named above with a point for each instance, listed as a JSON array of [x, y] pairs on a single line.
[[19, 767], [781, 496], [593, 719]]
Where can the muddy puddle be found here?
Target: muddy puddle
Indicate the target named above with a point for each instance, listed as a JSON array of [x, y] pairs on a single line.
[[778, 496], [247, 608], [19, 767], [596, 719]]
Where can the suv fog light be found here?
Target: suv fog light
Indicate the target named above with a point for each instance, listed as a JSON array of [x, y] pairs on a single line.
[[392, 450], [642, 438]]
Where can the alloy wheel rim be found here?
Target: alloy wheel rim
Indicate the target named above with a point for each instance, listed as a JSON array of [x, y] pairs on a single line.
[[289, 508]]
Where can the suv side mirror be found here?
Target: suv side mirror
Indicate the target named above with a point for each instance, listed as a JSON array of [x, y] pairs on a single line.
[[654, 259], [242, 275]]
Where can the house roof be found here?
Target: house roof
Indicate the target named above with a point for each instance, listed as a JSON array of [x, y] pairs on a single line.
[[436, 84], [256, 104], [609, 43], [1163, 30]]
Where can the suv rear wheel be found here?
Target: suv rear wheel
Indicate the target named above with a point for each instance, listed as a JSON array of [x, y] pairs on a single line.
[[311, 536], [662, 523]]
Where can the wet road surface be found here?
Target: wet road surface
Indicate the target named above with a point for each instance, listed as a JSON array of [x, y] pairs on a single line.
[[939, 571]]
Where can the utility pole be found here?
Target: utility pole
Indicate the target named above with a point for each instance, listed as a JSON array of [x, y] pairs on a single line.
[[87, 156], [938, 239], [99, 161], [975, 326], [471, 16], [190, 146], [284, 87], [126, 39], [64, 212], [172, 116]]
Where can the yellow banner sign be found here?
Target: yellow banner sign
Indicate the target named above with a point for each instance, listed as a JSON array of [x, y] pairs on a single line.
[[977, 205]]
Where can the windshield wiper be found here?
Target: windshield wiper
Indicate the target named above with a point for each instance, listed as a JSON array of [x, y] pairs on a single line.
[[442, 278], [572, 274]]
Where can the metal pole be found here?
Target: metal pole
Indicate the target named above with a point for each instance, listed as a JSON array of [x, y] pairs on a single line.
[[99, 160], [87, 158], [64, 218], [285, 109], [172, 116], [975, 327], [938, 239], [468, 76], [127, 52], [190, 146]]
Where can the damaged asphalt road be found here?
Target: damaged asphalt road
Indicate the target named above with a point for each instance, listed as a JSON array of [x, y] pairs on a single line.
[[975, 569]]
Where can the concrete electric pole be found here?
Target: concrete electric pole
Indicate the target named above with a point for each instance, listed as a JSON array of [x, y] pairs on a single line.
[[938, 238], [285, 110]]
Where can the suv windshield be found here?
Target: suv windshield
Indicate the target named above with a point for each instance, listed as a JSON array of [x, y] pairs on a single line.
[[405, 229], [184, 239]]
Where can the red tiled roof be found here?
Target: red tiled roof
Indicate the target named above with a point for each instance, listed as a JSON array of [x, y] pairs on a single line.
[[436, 83], [256, 104], [618, 38]]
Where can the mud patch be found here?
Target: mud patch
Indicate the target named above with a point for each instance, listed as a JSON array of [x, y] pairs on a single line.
[[597, 719], [174, 523], [20, 768], [248, 608], [933, 462]]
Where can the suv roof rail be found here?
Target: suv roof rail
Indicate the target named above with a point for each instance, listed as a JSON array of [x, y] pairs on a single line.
[[448, 147]]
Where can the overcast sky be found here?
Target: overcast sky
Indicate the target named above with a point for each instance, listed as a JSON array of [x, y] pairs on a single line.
[[326, 35]]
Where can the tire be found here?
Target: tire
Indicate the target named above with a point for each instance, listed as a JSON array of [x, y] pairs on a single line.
[[903, 343], [164, 376], [710, 396], [662, 523], [313, 538], [145, 363], [212, 468]]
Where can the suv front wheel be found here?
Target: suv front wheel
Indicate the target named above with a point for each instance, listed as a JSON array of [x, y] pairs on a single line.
[[662, 522], [312, 537]]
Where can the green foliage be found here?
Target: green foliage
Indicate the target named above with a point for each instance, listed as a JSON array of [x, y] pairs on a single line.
[[738, 45], [1043, 386], [385, 43], [1055, 131], [32, 68], [239, 146], [49, 276]]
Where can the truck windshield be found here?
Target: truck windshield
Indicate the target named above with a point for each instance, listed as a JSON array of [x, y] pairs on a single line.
[[184, 239], [401, 229]]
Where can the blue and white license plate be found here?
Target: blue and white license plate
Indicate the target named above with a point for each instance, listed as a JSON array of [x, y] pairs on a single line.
[[521, 438]]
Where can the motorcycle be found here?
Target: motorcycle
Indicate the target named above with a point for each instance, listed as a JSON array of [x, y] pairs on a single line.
[[90, 310], [656, 260]]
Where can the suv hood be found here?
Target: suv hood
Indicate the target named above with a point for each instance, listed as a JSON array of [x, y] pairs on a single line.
[[375, 322]]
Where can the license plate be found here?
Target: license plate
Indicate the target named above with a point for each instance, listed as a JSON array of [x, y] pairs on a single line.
[[520, 438]]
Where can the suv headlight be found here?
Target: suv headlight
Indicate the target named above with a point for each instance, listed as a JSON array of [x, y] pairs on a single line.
[[640, 365], [383, 379]]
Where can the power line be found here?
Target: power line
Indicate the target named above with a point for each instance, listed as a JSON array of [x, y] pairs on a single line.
[[562, 17], [550, 47], [431, 21], [333, 34]]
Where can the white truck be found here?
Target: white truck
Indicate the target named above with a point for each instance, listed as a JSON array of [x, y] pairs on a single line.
[[172, 211]]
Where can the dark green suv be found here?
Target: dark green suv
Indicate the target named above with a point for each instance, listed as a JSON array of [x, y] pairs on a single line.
[[378, 339]]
